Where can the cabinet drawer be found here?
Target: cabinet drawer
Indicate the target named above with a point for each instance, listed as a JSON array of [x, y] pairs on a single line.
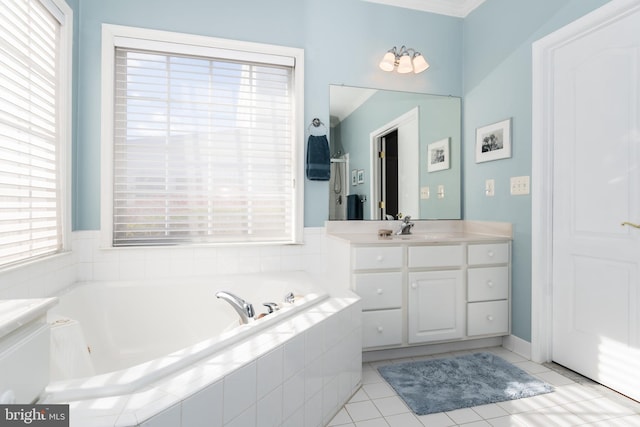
[[490, 253], [435, 256], [379, 290], [377, 258], [488, 318], [381, 328], [486, 284]]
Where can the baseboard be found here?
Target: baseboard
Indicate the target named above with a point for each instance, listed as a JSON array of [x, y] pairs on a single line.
[[517, 345], [430, 349]]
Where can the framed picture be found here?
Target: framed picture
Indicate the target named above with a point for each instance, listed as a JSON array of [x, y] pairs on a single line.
[[493, 141], [354, 177], [360, 176], [438, 155]]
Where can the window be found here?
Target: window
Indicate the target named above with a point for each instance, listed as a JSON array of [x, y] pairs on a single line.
[[35, 46], [204, 141]]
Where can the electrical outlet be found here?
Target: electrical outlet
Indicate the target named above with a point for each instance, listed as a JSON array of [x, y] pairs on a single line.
[[519, 185], [440, 192], [424, 192], [490, 187]]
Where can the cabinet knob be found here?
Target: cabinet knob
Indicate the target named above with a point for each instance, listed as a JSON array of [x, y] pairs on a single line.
[[379, 292], [490, 254], [490, 283], [380, 329], [490, 318], [414, 285], [379, 258]]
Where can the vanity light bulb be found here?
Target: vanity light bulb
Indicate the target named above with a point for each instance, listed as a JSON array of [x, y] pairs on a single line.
[[388, 61], [405, 64], [419, 64]]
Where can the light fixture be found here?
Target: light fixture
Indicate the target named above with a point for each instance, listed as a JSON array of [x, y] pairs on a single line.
[[406, 60]]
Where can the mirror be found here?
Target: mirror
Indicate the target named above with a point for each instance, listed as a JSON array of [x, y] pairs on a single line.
[[394, 154]]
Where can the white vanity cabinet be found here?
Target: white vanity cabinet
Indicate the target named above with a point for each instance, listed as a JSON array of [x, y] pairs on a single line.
[[419, 290], [488, 289], [378, 278]]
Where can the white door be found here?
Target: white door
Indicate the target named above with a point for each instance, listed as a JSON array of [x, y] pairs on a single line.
[[596, 187]]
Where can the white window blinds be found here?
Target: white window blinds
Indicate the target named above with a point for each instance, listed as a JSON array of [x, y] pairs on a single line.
[[203, 150], [30, 223]]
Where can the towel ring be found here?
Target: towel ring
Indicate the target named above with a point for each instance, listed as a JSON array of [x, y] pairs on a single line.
[[316, 123]]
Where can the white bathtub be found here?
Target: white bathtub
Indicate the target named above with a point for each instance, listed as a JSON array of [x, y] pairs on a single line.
[[141, 332]]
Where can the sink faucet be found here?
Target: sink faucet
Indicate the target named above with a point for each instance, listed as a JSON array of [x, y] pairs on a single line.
[[405, 226], [244, 309]]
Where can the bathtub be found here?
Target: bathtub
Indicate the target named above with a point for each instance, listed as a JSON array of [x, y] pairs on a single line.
[[134, 333], [170, 353]]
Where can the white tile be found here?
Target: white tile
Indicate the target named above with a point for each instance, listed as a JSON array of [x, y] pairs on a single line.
[[341, 418], [167, 418], [313, 378], [204, 408], [239, 391], [359, 396], [270, 409], [391, 405], [490, 411], [293, 394], [482, 423], [270, 371], [439, 419], [296, 419], [245, 419], [329, 400], [403, 420], [464, 415], [531, 367], [597, 409], [313, 411], [377, 422], [360, 411], [314, 343], [554, 378], [370, 375], [294, 356], [378, 390], [508, 421]]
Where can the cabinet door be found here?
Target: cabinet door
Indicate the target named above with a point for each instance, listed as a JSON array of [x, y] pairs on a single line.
[[436, 306], [381, 328]]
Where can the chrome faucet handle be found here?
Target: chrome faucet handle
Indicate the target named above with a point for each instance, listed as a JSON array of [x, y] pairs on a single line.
[[289, 298], [271, 306]]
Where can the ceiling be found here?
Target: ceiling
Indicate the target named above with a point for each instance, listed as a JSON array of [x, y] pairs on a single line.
[[458, 8]]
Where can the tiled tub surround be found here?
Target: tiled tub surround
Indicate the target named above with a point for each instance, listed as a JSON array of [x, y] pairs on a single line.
[[298, 372], [89, 261]]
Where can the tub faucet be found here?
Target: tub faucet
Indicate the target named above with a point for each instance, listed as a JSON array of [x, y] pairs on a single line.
[[405, 226], [242, 307]]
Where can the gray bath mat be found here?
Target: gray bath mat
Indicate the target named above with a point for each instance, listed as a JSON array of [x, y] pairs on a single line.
[[438, 385]]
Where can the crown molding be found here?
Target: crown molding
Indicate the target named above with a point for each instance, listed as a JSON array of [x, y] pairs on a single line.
[[457, 8]]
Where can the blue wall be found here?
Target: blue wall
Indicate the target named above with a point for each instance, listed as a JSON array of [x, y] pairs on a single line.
[[343, 41], [485, 58], [497, 85]]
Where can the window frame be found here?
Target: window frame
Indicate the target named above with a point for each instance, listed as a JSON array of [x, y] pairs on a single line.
[[63, 13], [117, 36]]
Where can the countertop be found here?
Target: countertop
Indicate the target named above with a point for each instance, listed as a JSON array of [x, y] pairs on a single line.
[[430, 237], [15, 313]]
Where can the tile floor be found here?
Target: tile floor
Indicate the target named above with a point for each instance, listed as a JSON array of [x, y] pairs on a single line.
[[576, 401]]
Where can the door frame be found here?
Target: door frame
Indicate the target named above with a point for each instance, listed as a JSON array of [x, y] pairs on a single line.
[[374, 137], [543, 52]]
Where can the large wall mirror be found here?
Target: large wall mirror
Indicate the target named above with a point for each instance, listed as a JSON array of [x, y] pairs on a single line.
[[394, 154]]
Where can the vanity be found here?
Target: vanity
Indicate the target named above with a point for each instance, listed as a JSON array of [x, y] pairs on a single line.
[[448, 281]]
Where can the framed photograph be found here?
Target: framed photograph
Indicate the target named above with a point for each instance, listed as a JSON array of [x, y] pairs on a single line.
[[438, 156], [360, 176], [493, 141], [354, 177]]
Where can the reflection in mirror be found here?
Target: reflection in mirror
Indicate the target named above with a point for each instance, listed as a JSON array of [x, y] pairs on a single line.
[[394, 154]]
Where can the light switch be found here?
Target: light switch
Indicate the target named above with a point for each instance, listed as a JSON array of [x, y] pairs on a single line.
[[519, 185], [424, 192], [490, 187], [440, 191]]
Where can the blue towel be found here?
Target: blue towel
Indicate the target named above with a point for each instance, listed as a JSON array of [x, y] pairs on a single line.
[[318, 158], [354, 207]]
